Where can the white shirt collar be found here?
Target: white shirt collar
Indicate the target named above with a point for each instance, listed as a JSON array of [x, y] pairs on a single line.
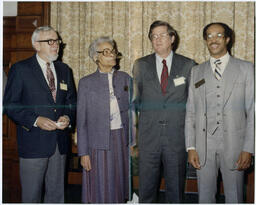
[[43, 66], [41, 62], [111, 72], [168, 58], [224, 61], [159, 64]]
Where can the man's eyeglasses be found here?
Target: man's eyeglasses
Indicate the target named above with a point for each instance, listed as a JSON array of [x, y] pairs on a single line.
[[161, 35], [108, 52], [51, 41], [211, 36]]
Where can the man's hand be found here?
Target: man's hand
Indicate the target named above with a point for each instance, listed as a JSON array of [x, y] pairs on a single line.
[[46, 124], [86, 163], [194, 159], [244, 161], [134, 151], [62, 122]]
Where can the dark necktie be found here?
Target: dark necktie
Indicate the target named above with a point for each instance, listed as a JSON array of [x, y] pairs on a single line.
[[217, 72], [51, 81], [164, 77]]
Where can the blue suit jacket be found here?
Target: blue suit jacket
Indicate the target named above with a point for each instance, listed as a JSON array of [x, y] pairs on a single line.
[[93, 109], [28, 96]]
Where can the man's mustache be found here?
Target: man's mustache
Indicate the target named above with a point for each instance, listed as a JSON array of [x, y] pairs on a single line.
[[214, 44]]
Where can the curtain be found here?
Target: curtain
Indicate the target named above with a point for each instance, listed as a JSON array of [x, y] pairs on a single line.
[[79, 23]]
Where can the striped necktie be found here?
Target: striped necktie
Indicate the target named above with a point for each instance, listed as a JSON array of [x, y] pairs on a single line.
[[51, 80], [164, 77], [217, 71]]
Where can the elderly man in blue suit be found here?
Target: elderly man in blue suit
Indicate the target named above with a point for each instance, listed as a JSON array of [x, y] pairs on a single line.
[[40, 98], [219, 125]]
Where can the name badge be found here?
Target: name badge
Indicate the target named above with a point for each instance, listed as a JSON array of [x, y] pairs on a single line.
[[63, 86], [179, 81], [199, 83]]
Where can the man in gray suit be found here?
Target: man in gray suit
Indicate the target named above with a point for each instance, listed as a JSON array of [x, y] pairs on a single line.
[[161, 87], [219, 125]]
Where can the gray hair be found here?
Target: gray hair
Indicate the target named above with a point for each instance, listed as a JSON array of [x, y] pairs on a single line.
[[38, 30], [93, 48]]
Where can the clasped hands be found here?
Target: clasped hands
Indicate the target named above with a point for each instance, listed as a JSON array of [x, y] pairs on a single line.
[[243, 162], [47, 124]]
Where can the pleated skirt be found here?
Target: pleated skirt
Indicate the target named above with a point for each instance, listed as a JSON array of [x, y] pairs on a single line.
[[108, 180]]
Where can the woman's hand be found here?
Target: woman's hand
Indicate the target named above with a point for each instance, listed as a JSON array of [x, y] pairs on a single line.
[[86, 163]]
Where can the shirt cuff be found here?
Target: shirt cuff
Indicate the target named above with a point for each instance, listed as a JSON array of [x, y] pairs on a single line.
[[35, 125], [191, 148]]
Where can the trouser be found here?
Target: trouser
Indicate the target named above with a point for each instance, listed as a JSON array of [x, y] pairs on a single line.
[[174, 165], [207, 175], [34, 172]]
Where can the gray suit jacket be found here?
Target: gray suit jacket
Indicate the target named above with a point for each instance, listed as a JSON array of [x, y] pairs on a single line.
[[155, 107], [238, 111], [93, 109]]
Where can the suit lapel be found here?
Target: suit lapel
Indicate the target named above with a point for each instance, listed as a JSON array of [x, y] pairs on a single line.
[[204, 75], [59, 80], [38, 73], [152, 73], [174, 73], [230, 74]]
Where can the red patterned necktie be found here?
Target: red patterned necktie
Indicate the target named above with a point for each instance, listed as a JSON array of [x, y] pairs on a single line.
[[164, 77], [51, 81]]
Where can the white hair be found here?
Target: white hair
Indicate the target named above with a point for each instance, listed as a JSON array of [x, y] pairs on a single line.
[[38, 30], [94, 45]]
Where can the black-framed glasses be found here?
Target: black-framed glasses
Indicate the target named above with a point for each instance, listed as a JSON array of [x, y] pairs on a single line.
[[51, 41], [108, 52]]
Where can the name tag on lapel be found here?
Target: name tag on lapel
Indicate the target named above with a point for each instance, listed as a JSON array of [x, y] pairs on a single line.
[[63, 86], [199, 83], [179, 81]]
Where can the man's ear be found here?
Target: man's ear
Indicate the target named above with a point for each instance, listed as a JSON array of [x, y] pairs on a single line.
[[172, 39], [95, 58], [227, 40], [36, 46]]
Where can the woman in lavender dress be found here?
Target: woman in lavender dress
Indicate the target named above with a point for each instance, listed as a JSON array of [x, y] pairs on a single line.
[[103, 127]]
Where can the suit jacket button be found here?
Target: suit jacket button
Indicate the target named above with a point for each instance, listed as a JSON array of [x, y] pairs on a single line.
[[55, 110], [204, 130]]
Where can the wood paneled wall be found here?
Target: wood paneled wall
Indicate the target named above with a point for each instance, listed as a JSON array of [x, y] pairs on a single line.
[[17, 46]]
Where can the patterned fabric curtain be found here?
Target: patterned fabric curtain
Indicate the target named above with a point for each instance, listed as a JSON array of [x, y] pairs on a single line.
[[79, 23]]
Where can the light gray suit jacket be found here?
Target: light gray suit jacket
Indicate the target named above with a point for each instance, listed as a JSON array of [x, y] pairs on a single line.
[[238, 111]]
